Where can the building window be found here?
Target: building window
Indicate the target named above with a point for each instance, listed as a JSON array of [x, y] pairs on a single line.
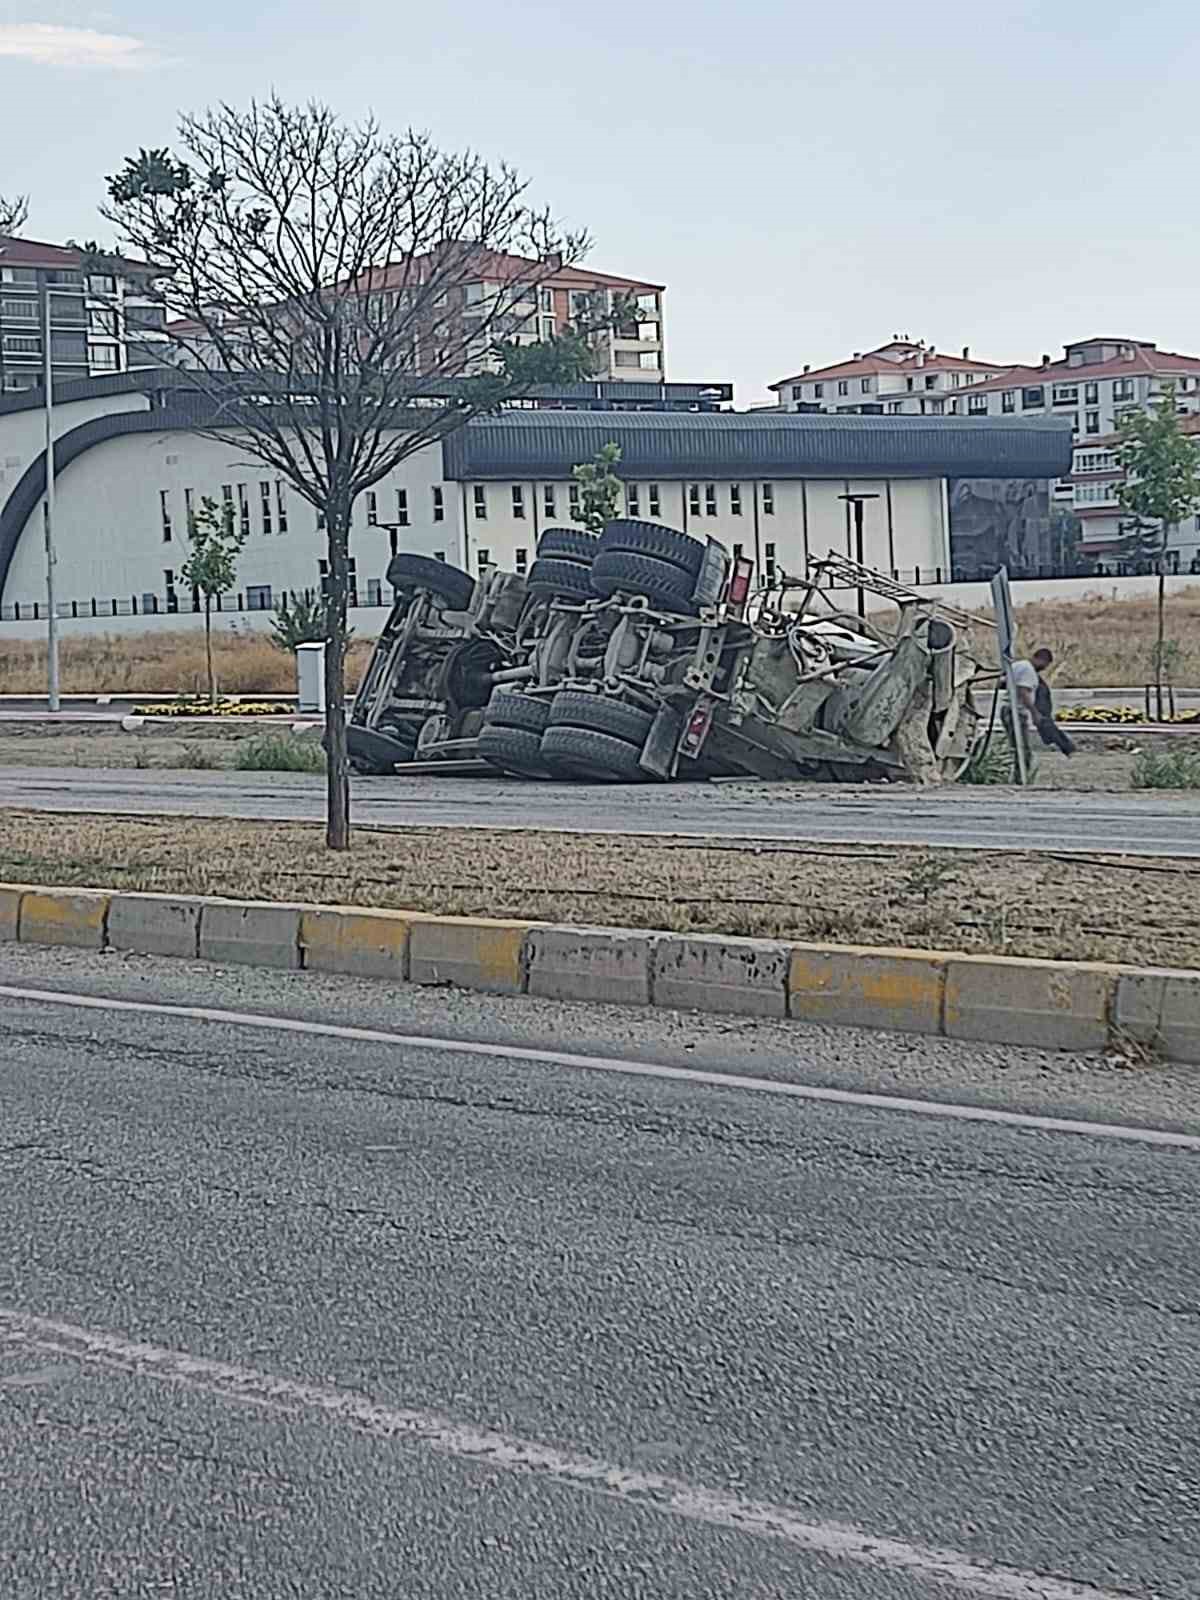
[[573, 502], [1032, 399], [818, 390], [548, 500], [264, 497], [769, 561], [518, 502], [631, 500], [321, 518], [864, 385], [227, 503], [484, 559], [844, 386], [258, 597], [103, 357], [737, 552], [796, 393], [710, 499], [188, 507], [372, 509], [931, 382], [20, 310], [439, 503], [522, 561], [1122, 388], [735, 499], [895, 408], [402, 507], [479, 495], [1091, 394], [977, 405], [243, 510], [693, 499], [374, 592], [768, 499], [655, 502], [909, 385], [280, 506], [393, 541], [1064, 394], [1008, 401], [1092, 422]]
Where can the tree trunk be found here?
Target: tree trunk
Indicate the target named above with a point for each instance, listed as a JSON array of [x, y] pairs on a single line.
[[337, 770], [208, 660], [1162, 626]]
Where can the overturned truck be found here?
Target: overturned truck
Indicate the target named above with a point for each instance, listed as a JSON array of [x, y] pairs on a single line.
[[643, 654]]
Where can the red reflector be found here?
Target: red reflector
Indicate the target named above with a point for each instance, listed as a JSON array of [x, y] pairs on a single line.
[[739, 584]]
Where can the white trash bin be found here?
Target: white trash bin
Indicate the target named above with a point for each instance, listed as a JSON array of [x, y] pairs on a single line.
[[310, 678]]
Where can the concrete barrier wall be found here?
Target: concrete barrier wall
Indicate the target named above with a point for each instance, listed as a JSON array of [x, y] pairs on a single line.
[[1054, 1005]]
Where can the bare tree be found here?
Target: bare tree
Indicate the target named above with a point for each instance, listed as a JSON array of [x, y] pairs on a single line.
[[14, 212], [348, 299]]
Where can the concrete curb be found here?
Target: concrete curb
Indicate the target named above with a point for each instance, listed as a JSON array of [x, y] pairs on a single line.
[[1055, 1005]]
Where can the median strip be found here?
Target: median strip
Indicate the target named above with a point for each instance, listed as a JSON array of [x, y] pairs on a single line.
[[1061, 1005]]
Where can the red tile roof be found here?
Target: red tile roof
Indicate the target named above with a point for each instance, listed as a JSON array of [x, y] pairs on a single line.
[[1142, 363], [872, 362], [15, 252], [494, 266]]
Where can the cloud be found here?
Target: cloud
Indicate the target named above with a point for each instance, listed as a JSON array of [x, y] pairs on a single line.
[[48, 45]]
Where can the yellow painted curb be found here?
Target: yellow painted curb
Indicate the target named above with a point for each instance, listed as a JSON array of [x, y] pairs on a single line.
[[74, 917], [868, 987], [355, 943]]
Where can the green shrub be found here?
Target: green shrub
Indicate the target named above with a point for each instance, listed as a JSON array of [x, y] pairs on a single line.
[[1175, 768], [991, 762], [278, 753]]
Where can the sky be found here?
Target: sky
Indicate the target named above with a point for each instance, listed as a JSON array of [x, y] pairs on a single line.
[[806, 180]]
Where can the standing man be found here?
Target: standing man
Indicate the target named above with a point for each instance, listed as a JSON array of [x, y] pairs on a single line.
[[1036, 703]]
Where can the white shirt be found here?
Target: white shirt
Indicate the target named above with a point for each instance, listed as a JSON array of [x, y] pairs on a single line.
[[1024, 675]]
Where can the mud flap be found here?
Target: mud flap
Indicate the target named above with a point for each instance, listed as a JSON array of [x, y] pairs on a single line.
[[659, 755]]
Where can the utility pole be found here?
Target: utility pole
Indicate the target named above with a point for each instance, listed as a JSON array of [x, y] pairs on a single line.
[[52, 696]]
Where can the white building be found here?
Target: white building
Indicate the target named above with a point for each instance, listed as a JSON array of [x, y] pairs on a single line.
[[1095, 482], [901, 378], [131, 465], [1093, 386]]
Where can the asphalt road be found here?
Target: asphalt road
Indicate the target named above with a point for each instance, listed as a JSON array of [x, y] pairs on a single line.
[[955, 816], [301, 1314]]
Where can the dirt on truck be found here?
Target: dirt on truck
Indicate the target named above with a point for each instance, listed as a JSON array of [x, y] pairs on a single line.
[[645, 655]]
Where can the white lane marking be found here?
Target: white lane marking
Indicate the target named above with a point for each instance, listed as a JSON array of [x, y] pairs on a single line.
[[637, 1069], [646, 1490]]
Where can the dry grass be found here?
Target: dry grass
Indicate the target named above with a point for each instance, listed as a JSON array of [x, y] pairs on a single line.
[[1096, 643], [160, 663], [1027, 904]]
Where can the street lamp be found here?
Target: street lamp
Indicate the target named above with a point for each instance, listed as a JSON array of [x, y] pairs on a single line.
[[52, 695], [858, 501]]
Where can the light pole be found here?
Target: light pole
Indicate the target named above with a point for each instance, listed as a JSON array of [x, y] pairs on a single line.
[[52, 695]]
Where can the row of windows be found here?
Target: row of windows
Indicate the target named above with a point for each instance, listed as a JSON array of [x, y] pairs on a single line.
[[1094, 492], [272, 508], [1096, 461], [633, 500]]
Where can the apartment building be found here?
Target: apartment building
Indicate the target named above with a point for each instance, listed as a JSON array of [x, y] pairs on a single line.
[[903, 377], [1095, 482], [487, 300], [1094, 384], [102, 319]]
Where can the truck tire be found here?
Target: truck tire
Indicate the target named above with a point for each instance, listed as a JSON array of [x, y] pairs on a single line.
[[665, 586], [635, 538], [574, 708], [569, 544], [451, 584], [513, 708], [515, 750], [585, 753], [553, 575]]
